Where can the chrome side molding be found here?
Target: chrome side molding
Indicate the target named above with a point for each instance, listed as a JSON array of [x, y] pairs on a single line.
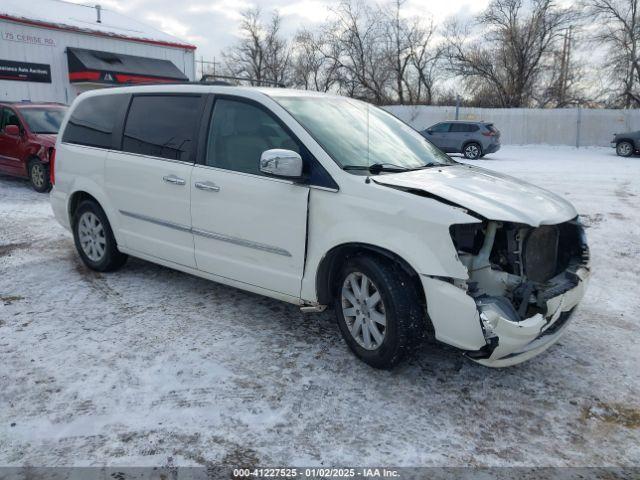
[[156, 221], [207, 234]]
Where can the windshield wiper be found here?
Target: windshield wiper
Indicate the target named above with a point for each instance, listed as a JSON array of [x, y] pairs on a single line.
[[429, 165], [377, 168]]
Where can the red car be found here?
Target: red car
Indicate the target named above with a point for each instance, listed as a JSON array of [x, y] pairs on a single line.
[[27, 139]]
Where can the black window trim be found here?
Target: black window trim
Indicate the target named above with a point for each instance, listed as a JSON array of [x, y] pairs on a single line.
[[117, 124], [204, 138], [118, 134]]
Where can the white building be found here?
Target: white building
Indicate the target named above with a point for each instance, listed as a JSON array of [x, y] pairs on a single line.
[[51, 50]]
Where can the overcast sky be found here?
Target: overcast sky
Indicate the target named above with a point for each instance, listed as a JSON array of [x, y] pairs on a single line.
[[212, 25]]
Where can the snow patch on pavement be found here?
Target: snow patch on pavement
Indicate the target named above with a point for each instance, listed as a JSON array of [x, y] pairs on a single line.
[[149, 366]]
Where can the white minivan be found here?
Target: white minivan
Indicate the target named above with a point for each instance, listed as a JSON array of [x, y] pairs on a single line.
[[321, 201]]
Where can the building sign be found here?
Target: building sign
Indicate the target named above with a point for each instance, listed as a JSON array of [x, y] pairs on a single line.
[[30, 39], [25, 72]]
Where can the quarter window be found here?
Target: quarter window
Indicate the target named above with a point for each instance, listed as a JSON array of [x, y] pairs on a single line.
[[240, 132], [93, 121], [162, 126]]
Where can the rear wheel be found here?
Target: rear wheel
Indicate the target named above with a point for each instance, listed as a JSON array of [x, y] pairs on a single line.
[[472, 151], [39, 176], [94, 239], [624, 149], [378, 311]]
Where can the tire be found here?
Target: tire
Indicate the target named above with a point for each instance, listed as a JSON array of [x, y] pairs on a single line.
[[472, 151], [39, 176], [404, 317], [624, 149], [94, 238]]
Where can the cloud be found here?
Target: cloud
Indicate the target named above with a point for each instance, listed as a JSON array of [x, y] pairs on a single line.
[[231, 9], [314, 11], [174, 27]]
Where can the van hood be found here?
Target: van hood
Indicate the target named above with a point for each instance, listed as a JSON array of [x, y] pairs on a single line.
[[490, 194]]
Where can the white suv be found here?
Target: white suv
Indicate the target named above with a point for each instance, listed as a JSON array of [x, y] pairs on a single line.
[[321, 201]]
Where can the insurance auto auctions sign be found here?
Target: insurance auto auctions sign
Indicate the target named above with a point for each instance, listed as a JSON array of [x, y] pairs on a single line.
[[24, 71]]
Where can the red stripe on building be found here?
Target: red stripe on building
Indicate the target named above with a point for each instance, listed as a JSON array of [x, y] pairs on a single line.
[[84, 76]]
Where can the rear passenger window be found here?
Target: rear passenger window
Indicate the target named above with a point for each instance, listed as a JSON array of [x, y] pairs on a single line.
[[163, 126], [462, 127], [93, 121]]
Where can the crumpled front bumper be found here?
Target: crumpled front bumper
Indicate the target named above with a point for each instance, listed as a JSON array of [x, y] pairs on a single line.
[[520, 341]]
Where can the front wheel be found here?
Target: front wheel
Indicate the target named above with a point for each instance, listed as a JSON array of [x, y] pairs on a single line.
[[39, 176], [472, 151], [624, 149], [94, 239], [378, 310]]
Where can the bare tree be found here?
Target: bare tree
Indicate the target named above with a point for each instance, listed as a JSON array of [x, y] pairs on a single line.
[[506, 61], [411, 58], [400, 39], [425, 60], [261, 55], [312, 68], [619, 29], [564, 82], [356, 44]]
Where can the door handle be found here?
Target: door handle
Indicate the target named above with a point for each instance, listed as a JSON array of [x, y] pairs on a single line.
[[207, 186], [173, 179]]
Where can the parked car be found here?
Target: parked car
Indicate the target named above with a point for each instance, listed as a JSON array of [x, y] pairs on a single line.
[[626, 144], [321, 201], [473, 139], [27, 137]]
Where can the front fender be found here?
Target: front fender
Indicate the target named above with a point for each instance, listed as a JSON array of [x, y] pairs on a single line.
[[413, 227]]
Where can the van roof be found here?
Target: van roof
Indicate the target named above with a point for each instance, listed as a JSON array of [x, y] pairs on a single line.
[[208, 88]]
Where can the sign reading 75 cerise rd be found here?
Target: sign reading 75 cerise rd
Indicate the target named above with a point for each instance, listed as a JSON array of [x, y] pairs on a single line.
[[27, 38]]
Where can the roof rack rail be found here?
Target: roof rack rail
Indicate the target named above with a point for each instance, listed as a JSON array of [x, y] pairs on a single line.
[[210, 79]]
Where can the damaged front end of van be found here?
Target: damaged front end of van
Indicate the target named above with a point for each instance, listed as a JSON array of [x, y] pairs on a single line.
[[525, 282], [526, 257]]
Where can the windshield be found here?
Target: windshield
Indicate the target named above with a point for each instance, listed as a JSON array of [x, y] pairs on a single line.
[[43, 120], [358, 135]]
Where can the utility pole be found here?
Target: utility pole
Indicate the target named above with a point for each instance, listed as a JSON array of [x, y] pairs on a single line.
[[457, 107], [564, 67]]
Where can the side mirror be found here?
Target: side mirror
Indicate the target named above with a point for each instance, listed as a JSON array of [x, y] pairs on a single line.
[[429, 131], [281, 163], [13, 130]]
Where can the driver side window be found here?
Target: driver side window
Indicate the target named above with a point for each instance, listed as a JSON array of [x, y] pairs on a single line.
[[238, 134]]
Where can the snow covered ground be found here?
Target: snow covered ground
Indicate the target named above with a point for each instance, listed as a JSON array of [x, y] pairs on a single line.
[[148, 366]]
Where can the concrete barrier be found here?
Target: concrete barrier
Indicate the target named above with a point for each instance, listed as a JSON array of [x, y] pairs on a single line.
[[525, 126]]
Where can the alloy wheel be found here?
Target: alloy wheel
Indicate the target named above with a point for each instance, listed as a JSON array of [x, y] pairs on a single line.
[[624, 149], [472, 151], [91, 236], [363, 311], [38, 175]]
